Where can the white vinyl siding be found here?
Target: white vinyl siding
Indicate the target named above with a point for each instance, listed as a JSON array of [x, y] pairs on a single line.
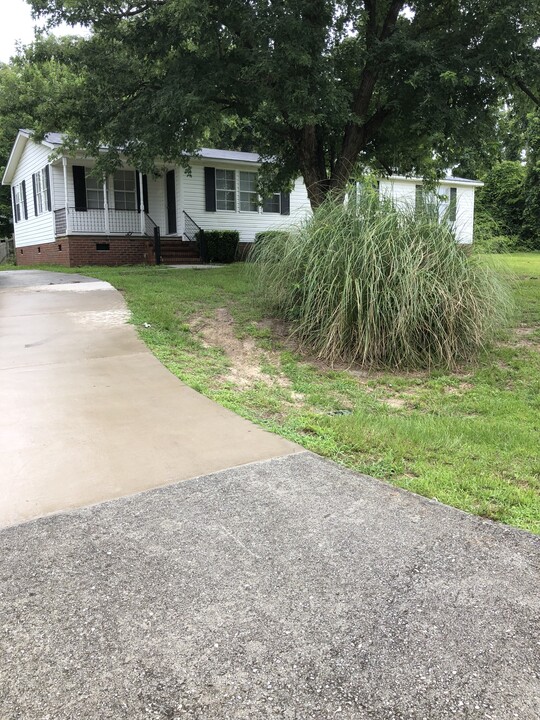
[[225, 190], [249, 199], [403, 191], [247, 223], [37, 228]]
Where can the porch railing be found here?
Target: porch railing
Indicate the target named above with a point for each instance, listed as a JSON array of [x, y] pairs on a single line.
[[60, 226], [94, 221]]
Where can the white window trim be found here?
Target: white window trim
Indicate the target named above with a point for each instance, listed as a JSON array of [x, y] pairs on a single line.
[[236, 191], [240, 191], [18, 207], [122, 190], [41, 191], [271, 212], [99, 190]]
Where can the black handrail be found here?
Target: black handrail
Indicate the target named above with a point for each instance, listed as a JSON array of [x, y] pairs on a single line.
[[149, 225], [195, 233]]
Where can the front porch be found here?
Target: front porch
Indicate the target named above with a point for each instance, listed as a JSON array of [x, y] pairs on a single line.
[[99, 236]]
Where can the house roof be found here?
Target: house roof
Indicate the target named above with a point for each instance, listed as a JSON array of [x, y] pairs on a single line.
[[450, 179], [231, 155], [54, 140]]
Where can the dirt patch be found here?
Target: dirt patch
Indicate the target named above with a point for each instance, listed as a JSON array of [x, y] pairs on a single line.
[[460, 389], [245, 356], [394, 402], [525, 337]]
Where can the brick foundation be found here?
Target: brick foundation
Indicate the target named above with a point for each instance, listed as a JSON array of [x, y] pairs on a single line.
[[76, 250], [56, 253]]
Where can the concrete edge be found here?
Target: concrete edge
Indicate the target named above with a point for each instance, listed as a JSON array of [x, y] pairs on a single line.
[[157, 488]]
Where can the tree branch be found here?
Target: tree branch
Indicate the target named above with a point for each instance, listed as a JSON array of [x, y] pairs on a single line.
[[391, 19], [134, 10], [524, 88]]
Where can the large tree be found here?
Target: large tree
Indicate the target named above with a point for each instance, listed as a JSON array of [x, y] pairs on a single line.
[[317, 85]]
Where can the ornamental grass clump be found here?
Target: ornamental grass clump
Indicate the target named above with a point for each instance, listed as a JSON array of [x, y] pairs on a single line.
[[371, 282]]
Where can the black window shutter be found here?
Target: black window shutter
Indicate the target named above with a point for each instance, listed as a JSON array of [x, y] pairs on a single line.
[[138, 190], [34, 191], [210, 189], [16, 216], [25, 204], [48, 186], [170, 183], [79, 187], [285, 203], [145, 192]]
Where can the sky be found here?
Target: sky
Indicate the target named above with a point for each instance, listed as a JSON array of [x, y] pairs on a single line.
[[16, 24]]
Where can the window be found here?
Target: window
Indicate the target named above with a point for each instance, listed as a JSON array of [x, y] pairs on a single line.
[[40, 181], [17, 203], [125, 195], [20, 205], [272, 204], [452, 206], [225, 190], [249, 199], [94, 193]]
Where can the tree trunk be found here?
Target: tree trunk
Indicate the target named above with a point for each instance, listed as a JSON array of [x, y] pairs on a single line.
[[312, 165]]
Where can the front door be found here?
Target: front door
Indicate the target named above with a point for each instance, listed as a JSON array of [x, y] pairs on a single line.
[[171, 202]]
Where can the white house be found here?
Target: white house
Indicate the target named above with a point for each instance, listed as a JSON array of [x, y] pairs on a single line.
[[64, 214], [454, 198]]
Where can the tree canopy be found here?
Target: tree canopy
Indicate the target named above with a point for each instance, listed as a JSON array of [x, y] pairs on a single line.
[[316, 86]]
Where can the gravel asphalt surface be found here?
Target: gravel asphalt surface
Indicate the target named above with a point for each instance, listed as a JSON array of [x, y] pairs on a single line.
[[289, 588]]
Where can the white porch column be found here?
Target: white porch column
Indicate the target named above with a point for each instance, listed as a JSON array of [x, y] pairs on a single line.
[[66, 204], [106, 206], [142, 209]]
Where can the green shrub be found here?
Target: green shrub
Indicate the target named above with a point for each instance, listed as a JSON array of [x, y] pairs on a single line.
[[270, 235], [369, 282], [503, 196], [221, 245]]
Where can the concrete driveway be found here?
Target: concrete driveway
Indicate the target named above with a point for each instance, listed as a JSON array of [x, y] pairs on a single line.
[[87, 413], [283, 588]]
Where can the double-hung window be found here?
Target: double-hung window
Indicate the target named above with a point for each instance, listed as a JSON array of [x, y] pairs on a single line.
[[249, 199], [272, 204], [125, 193], [17, 203], [94, 193], [40, 180], [225, 190]]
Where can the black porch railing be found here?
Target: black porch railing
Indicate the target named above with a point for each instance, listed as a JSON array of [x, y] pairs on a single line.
[[195, 234]]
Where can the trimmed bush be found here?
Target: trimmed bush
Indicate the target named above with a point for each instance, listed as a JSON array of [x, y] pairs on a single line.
[[221, 245], [366, 281]]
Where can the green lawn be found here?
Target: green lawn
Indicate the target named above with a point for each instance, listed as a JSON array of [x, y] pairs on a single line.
[[470, 439]]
